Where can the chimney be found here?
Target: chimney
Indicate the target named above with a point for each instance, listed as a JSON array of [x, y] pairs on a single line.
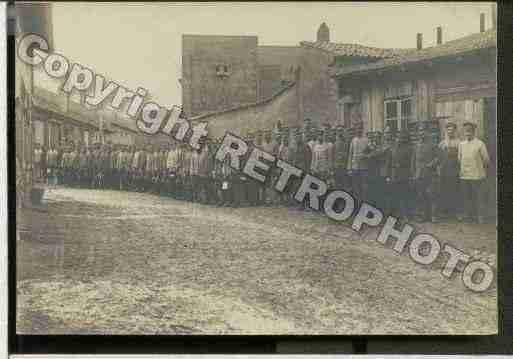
[[439, 35], [419, 41], [323, 34], [482, 22]]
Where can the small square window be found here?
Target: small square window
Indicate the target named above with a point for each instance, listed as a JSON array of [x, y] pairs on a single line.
[[222, 70]]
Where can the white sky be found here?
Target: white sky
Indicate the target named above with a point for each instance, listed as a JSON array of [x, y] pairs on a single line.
[[140, 45]]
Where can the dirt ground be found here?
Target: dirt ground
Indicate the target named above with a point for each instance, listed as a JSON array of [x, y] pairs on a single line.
[[110, 262]]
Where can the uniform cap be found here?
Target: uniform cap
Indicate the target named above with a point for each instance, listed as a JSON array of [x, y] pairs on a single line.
[[469, 124]]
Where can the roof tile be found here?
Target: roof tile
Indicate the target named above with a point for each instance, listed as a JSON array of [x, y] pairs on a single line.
[[341, 49], [487, 39]]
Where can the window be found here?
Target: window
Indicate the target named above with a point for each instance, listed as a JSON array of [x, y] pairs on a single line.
[[398, 113], [222, 70]]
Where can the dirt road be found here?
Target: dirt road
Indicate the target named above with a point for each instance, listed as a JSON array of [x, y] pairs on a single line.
[[130, 263]]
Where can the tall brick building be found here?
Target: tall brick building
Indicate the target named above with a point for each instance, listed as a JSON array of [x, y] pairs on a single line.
[[226, 74]]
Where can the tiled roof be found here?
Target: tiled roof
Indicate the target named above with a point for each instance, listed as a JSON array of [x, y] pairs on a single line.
[[487, 39], [339, 49]]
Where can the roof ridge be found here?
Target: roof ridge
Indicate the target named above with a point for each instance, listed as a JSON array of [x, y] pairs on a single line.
[[450, 42], [355, 44], [290, 85], [355, 49], [475, 41]]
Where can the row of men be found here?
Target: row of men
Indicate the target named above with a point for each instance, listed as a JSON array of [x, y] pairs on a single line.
[[390, 172]]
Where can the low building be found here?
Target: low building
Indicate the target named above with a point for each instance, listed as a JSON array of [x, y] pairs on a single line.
[[27, 18], [454, 81]]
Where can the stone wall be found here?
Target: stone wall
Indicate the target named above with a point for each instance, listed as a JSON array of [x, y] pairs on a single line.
[[265, 115], [275, 64], [316, 87], [203, 89]]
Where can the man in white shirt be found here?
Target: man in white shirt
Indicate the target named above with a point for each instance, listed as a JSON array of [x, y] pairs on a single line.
[[474, 160], [321, 156]]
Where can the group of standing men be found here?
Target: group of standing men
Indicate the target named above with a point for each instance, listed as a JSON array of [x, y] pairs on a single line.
[[388, 171], [422, 178]]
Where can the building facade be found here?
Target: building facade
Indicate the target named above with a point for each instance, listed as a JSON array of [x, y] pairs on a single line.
[[233, 77], [453, 82], [28, 18]]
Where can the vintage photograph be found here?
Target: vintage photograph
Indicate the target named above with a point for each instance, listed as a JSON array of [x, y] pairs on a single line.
[[277, 168]]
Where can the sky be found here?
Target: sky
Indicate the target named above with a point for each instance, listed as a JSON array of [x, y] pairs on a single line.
[[139, 45]]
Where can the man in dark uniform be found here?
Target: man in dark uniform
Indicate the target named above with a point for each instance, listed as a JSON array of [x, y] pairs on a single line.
[[180, 181], [384, 173], [120, 166], [449, 195], [400, 175], [162, 172], [83, 164], [113, 172], [156, 169], [96, 165], [268, 146], [240, 180], [299, 156], [252, 187], [149, 169], [52, 165], [44, 163], [289, 151], [172, 170], [185, 165], [63, 158], [75, 165], [374, 160], [341, 151], [208, 171], [194, 175], [139, 167], [131, 168], [424, 161], [302, 158], [59, 171], [105, 166], [260, 186], [216, 174]]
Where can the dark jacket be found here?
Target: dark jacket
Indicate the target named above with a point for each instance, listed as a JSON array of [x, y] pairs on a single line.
[[401, 162]]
